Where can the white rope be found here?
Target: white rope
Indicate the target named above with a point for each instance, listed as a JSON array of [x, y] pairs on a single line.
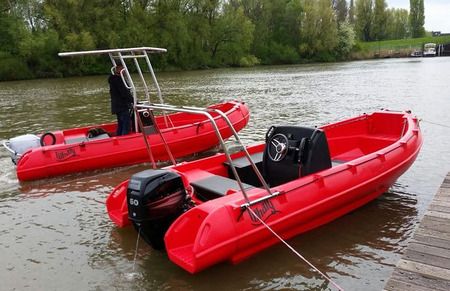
[[136, 249], [435, 123], [294, 251]]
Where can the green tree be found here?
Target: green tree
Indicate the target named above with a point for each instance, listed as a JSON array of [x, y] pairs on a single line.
[[351, 12], [417, 18], [318, 30], [379, 20], [346, 40], [13, 32], [277, 26], [364, 19], [197, 33], [102, 19], [397, 23], [341, 10], [231, 37]]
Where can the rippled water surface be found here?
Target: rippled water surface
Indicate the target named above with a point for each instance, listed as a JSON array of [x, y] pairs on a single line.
[[55, 234]]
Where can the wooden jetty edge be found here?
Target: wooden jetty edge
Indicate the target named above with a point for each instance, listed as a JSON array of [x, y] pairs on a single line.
[[425, 264]]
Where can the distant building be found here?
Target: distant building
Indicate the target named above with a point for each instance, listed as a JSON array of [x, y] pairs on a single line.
[[438, 33]]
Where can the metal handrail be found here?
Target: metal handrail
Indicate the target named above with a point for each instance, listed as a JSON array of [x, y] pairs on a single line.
[[155, 81], [204, 111], [147, 92], [247, 154]]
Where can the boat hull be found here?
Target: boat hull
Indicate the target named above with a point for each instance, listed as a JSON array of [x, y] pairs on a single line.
[[185, 138], [219, 230], [369, 153]]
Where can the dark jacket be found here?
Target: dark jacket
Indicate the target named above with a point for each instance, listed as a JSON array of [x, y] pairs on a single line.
[[121, 99]]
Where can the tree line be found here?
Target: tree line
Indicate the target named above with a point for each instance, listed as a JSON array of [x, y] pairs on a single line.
[[197, 33]]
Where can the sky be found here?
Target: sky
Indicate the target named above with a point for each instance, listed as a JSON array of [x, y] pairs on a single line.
[[437, 13]]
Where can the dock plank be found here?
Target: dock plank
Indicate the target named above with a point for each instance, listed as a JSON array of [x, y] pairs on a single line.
[[435, 223], [433, 233], [424, 269], [429, 249], [439, 208], [431, 241], [438, 214], [425, 264], [427, 258], [415, 281], [395, 285]]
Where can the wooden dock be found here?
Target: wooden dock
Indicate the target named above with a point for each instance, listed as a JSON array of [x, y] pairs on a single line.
[[425, 265]]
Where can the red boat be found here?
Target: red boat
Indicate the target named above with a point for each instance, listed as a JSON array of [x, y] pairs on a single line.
[[169, 136], [78, 150], [211, 210]]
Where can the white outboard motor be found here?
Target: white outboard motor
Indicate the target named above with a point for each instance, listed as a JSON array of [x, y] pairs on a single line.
[[20, 144]]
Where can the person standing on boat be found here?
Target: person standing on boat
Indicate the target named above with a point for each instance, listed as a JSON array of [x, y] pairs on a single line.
[[121, 101]]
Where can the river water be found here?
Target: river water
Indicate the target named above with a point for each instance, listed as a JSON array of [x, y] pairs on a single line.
[[55, 233]]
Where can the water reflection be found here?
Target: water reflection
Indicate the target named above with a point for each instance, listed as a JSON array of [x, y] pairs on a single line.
[[346, 248]]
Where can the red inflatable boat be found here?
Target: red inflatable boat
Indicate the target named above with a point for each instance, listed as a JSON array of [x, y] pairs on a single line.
[[210, 210], [96, 147]]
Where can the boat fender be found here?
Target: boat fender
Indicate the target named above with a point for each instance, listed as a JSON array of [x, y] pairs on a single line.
[[44, 136]]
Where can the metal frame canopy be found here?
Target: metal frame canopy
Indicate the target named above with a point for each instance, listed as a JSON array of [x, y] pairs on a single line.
[[112, 51], [118, 56]]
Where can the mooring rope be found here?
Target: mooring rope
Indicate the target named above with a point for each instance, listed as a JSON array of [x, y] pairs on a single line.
[[435, 123], [136, 249], [294, 251]]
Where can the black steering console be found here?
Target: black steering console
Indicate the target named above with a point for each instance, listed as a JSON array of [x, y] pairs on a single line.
[[292, 152]]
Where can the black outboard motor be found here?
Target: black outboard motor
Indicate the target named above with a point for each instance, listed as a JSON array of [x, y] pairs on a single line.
[[155, 199]]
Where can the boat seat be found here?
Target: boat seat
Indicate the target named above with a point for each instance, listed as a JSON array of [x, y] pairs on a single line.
[[215, 186], [307, 153], [245, 170]]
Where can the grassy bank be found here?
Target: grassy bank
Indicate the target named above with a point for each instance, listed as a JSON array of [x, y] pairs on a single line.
[[394, 48]]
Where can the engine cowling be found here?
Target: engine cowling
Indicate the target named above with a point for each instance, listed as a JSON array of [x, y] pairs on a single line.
[[155, 199]]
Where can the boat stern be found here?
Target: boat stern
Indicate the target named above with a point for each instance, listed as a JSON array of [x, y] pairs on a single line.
[[116, 205]]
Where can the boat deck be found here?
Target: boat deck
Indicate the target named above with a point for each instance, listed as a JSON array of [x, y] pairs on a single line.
[[425, 265]]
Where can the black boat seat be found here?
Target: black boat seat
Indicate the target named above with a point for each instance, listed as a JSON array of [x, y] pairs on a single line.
[[214, 186], [245, 169]]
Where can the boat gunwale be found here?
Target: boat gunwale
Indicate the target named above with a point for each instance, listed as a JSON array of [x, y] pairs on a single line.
[[233, 206], [235, 110], [412, 130]]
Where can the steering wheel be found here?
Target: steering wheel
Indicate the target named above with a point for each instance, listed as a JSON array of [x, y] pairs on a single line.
[[278, 146]]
